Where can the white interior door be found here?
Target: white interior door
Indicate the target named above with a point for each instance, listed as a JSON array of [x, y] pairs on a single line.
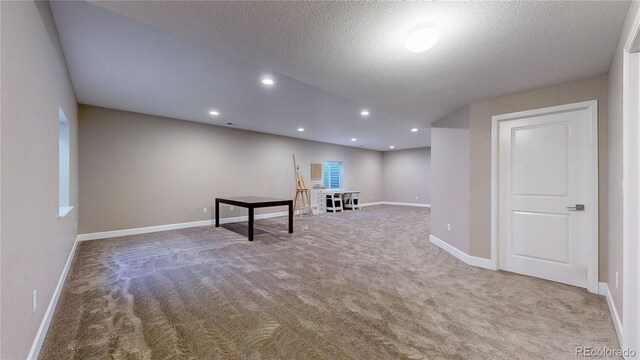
[[545, 193]]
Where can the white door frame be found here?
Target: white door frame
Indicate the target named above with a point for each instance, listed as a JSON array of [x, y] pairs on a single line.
[[592, 241], [631, 194]]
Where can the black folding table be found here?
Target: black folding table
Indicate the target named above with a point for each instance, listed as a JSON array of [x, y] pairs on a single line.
[[251, 203]]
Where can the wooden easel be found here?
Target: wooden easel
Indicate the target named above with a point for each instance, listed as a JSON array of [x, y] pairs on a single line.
[[301, 191]]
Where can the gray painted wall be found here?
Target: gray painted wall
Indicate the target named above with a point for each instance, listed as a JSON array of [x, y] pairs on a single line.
[[450, 181], [140, 170], [35, 243], [461, 164], [614, 156], [480, 120], [407, 175]]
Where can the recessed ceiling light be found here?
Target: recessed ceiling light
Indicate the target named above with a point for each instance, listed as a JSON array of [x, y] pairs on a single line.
[[354, 139], [214, 113], [301, 129], [268, 81], [414, 130], [364, 113], [421, 38], [392, 147]]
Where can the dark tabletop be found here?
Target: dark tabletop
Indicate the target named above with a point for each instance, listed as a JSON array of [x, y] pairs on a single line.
[[252, 199]]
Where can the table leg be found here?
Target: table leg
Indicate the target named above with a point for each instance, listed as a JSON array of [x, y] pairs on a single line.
[[217, 213], [290, 218], [250, 224]]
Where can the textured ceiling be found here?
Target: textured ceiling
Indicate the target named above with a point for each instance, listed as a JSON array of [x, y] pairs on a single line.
[[355, 50], [120, 63]]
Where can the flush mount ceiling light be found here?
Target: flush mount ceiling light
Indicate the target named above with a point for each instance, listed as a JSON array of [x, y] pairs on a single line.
[[414, 130], [364, 112], [214, 113], [421, 38], [354, 139], [301, 129], [392, 147], [267, 81]]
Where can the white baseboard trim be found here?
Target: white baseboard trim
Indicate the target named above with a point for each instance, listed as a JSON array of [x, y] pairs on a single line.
[[157, 228], [48, 315], [406, 204], [142, 230], [246, 218], [603, 289], [152, 229], [364, 204], [462, 256], [396, 203]]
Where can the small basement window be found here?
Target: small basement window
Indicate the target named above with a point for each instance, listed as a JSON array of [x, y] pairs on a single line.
[[332, 174], [63, 165]]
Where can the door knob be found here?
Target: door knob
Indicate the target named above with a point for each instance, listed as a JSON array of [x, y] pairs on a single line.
[[578, 207]]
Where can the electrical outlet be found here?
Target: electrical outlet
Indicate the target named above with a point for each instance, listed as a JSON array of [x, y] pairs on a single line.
[[76, 225], [617, 282], [370, 197], [416, 198], [448, 227], [205, 210], [231, 208], [34, 300]]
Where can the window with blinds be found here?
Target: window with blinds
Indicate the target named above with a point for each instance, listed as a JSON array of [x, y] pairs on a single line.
[[332, 175]]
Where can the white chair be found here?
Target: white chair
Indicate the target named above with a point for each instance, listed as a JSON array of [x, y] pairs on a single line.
[[334, 202], [352, 201]]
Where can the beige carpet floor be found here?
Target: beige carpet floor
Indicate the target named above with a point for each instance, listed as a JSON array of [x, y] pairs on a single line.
[[358, 285]]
